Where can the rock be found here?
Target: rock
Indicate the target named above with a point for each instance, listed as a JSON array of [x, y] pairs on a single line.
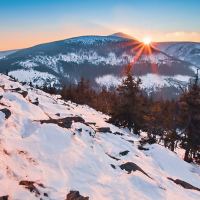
[[24, 94], [16, 89], [45, 194], [66, 124], [124, 153], [6, 112], [184, 184], [90, 123], [142, 148], [36, 103], [80, 129], [63, 122], [4, 197], [1, 96], [104, 129], [29, 185], [57, 114], [112, 157], [130, 166], [131, 141], [49, 121], [117, 133], [113, 166], [74, 195]]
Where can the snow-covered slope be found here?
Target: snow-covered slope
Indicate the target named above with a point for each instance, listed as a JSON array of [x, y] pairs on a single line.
[[58, 160], [188, 51]]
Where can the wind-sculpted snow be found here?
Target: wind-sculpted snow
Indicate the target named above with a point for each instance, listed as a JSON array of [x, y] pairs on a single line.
[[96, 40], [56, 160]]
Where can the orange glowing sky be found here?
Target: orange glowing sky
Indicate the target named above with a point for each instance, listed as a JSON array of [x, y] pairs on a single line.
[[27, 23]]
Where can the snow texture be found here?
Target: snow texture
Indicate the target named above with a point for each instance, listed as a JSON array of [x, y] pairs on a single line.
[[36, 77], [74, 159]]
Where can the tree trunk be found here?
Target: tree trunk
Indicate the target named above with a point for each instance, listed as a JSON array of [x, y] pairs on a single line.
[[186, 157], [172, 145]]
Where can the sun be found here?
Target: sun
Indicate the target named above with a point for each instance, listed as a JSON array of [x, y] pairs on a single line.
[[147, 40]]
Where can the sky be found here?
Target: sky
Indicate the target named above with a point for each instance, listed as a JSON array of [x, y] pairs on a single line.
[[25, 23]]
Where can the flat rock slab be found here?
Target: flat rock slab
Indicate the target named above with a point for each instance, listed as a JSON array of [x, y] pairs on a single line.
[[184, 184], [63, 122], [6, 112], [124, 153], [130, 166], [74, 195], [104, 129]]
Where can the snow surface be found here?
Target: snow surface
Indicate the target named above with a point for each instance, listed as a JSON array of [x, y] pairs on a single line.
[[96, 40], [150, 82], [67, 159], [36, 77]]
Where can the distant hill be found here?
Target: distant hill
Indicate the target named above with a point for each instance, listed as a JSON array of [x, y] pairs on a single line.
[[102, 60]]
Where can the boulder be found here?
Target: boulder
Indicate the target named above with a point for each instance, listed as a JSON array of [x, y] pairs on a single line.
[[6, 112], [74, 195], [1, 96], [57, 114]]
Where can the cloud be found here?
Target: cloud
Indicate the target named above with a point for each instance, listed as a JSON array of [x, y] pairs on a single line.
[[180, 33]]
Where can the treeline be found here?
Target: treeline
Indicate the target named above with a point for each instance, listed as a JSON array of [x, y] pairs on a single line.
[[175, 121]]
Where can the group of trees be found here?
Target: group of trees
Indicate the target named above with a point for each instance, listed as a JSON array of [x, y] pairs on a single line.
[[175, 121]]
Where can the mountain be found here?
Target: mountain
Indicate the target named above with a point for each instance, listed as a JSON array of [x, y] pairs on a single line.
[[188, 51], [51, 148], [123, 35], [102, 60], [3, 54]]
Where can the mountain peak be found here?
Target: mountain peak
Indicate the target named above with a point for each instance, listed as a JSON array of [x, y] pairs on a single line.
[[123, 35]]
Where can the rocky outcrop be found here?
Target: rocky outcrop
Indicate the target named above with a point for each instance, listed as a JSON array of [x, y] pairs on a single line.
[[74, 195], [6, 112], [184, 184], [130, 166]]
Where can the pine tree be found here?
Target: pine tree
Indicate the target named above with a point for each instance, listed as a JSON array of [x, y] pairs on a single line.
[[128, 107], [190, 119]]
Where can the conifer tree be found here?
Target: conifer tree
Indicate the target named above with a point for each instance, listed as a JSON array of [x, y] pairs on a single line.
[[190, 119], [127, 112]]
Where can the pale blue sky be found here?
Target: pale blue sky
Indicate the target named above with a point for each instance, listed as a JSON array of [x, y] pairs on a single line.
[[25, 23]]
